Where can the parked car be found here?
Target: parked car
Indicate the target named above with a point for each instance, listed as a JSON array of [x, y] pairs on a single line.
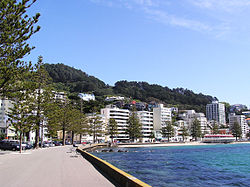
[[8, 145], [29, 145], [57, 143]]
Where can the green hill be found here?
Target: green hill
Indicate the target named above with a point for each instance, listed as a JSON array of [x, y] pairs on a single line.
[[75, 81]]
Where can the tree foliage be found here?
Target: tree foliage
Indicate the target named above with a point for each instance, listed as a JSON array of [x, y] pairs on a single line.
[[16, 28], [168, 130], [74, 80], [196, 129], [134, 127], [215, 128], [184, 132], [236, 130], [20, 114], [95, 127], [112, 128]]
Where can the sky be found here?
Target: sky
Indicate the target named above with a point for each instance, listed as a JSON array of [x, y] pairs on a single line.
[[201, 45]]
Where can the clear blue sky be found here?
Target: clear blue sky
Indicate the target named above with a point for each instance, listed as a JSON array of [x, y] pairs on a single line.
[[202, 45]]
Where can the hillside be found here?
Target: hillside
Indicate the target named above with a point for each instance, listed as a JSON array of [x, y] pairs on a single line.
[[75, 81]]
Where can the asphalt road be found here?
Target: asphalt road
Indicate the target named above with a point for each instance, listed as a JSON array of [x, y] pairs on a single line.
[[49, 167]]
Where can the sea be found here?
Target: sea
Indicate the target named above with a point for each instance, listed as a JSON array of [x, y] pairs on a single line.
[[199, 165]]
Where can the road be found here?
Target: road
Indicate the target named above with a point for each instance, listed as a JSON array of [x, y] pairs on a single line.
[[50, 167]]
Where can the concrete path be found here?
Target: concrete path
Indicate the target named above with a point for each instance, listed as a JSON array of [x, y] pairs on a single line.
[[49, 167]]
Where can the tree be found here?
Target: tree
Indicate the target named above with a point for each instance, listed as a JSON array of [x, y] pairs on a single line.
[[79, 124], [112, 128], [236, 130], [20, 115], [184, 132], [2, 136], [42, 96], [152, 136], [196, 129], [61, 117], [134, 127], [95, 127], [215, 128], [16, 28], [168, 130]]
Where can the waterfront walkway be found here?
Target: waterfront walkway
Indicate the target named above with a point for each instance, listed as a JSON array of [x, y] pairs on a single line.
[[50, 167]]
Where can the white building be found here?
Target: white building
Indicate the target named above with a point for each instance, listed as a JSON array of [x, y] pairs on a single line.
[[216, 111], [241, 120], [114, 98], [189, 115], [121, 116], [5, 126], [161, 114], [60, 96], [87, 97], [147, 121]]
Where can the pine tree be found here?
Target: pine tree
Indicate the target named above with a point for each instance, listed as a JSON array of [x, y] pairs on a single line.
[[16, 28], [215, 128], [79, 124], [168, 130], [21, 114], [236, 130], [42, 96], [134, 127], [60, 117], [95, 127], [184, 133], [196, 129], [112, 128]]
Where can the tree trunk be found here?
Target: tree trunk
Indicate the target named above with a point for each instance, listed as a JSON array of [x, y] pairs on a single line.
[[63, 136], [37, 138], [72, 139], [42, 135], [20, 146], [80, 138]]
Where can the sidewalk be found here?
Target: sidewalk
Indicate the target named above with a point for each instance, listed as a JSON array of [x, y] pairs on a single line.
[[50, 167]]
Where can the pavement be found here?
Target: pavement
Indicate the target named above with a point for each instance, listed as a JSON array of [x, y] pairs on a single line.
[[51, 167]]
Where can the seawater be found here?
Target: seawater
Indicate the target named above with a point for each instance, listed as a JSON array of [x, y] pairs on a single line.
[[206, 165]]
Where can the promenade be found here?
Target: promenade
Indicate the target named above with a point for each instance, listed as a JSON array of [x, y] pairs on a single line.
[[50, 167]]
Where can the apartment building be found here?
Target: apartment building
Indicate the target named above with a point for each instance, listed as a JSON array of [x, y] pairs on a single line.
[[216, 111], [147, 121], [121, 116], [189, 115], [5, 126], [241, 120], [161, 114]]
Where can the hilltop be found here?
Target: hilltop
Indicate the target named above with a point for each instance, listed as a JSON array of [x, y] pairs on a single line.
[[69, 79]]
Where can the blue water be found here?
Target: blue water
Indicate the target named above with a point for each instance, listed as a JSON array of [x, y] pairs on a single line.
[[209, 165]]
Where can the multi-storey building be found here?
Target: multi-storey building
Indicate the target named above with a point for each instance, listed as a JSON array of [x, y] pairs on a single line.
[[87, 97], [121, 116], [5, 126], [241, 120], [216, 111], [147, 121], [161, 115], [189, 115]]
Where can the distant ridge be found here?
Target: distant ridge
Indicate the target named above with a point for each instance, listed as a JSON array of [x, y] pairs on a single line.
[[73, 80]]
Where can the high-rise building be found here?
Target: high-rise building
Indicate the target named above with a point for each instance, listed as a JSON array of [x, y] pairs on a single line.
[[146, 120], [189, 115], [161, 114], [216, 111], [241, 120], [5, 126], [121, 116]]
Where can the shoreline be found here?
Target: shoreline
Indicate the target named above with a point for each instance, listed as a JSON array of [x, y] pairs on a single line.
[[173, 144]]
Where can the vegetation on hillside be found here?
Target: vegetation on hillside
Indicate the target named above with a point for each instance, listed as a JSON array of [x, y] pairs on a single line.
[[75, 81]]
